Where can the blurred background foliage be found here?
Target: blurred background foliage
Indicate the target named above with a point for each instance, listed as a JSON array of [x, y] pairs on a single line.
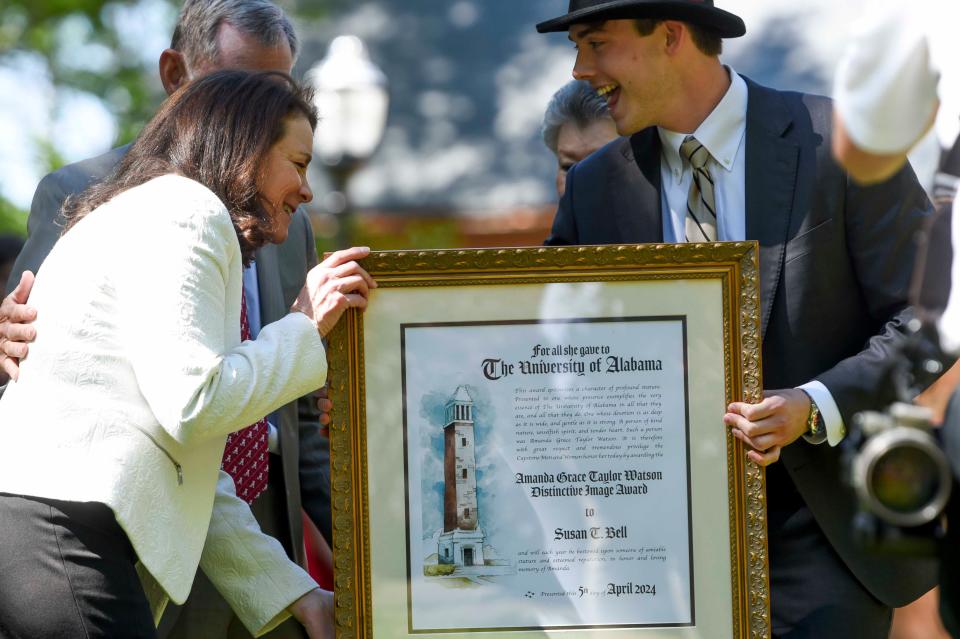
[[468, 80], [81, 48], [12, 220], [37, 28]]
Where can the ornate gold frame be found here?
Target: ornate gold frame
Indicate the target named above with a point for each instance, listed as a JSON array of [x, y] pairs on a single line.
[[734, 264]]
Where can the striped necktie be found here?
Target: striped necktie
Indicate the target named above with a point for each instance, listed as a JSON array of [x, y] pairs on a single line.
[[701, 219], [246, 457]]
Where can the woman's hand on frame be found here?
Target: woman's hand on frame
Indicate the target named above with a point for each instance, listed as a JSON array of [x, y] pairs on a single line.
[[314, 611], [333, 286]]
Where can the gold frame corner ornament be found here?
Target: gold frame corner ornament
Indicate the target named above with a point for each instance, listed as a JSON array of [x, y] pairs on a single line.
[[735, 263]]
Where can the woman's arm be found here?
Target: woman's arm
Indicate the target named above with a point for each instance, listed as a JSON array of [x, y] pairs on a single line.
[[249, 568]]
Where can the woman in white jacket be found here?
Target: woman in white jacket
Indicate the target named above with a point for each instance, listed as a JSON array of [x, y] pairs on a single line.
[[112, 436]]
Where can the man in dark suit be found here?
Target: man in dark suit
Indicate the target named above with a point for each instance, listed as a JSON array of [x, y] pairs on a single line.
[[713, 156], [211, 35]]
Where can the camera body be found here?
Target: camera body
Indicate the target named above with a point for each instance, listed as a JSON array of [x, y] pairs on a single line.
[[894, 459]]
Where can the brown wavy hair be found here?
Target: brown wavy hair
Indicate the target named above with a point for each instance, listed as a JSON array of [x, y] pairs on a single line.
[[216, 130]]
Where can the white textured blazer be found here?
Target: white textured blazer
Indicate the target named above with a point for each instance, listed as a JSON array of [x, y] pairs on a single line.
[[137, 376]]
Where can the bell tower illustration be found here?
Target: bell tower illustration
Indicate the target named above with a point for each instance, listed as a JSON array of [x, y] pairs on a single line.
[[461, 542]]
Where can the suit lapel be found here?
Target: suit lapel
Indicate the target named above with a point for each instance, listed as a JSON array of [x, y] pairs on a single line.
[[268, 279], [771, 179], [637, 206]]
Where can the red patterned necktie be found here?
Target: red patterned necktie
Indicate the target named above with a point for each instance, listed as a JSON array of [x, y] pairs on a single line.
[[246, 457]]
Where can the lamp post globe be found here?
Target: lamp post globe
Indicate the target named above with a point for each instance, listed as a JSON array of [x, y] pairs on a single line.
[[351, 96]]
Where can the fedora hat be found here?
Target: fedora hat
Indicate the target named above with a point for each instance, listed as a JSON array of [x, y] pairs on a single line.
[[699, 12]]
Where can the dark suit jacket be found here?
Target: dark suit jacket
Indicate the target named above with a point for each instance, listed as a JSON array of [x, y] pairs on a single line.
[[281, 272], [835, 264]]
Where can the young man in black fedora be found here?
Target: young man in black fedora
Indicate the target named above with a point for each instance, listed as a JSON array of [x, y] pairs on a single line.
[[714, 156]]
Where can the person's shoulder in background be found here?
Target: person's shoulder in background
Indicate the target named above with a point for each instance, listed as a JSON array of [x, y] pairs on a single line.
[[79, 175], [44, 226]]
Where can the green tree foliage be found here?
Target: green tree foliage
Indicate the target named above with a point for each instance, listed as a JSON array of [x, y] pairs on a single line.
[[125, 82], [12, 220], [126, 87], [129, 86]]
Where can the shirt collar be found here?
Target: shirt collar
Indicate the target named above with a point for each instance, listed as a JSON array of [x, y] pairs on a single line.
[[722, 132]]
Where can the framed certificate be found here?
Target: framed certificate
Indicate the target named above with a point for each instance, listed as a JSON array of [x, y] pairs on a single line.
[[529, 441]]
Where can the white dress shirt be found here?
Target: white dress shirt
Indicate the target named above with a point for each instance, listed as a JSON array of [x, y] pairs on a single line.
[[724, 134], [251, 290]]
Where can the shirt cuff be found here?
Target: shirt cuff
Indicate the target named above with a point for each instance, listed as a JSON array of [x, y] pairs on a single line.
[[829, 413], [273, 439], [950, 320]]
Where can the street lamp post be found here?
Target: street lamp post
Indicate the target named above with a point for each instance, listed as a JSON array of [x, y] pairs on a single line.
[[350, 93]]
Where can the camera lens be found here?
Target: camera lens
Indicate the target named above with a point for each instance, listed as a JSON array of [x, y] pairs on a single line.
[[902, 476], [905, 479]]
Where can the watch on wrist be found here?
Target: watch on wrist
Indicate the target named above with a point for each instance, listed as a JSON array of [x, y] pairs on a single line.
[[816, 432]]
